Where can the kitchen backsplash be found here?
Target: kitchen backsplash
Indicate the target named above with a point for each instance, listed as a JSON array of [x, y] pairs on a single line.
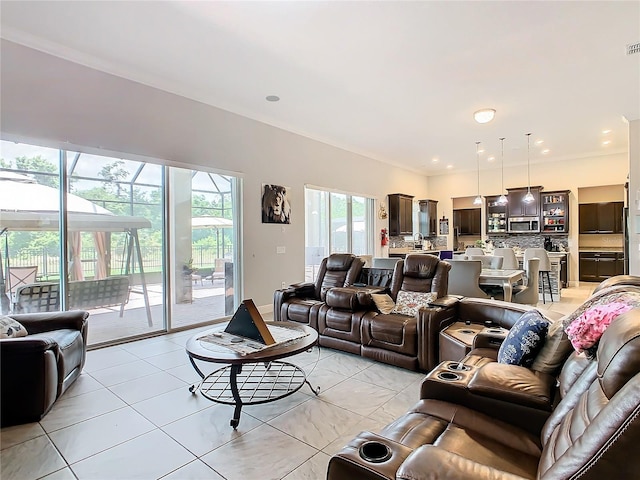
[[436, 242], [534, 240]]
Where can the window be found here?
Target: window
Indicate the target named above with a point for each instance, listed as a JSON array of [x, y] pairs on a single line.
[[336, 223]]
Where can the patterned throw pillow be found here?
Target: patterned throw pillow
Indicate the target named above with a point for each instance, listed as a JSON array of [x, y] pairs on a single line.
[[10, 328], [408, 303], [384, 303], [525, 339], [586, 330]]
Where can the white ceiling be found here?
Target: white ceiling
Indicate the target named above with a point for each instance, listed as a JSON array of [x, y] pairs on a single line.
[[396, 81]]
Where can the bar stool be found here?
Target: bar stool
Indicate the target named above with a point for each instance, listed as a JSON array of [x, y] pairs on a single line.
[[545, 267]]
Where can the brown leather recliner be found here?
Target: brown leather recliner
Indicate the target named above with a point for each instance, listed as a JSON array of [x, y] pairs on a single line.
[[411, 341], [591, 434], [38, 368], [299, 302]]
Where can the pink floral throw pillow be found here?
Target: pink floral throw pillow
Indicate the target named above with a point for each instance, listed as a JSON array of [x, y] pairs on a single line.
[[586, 330]]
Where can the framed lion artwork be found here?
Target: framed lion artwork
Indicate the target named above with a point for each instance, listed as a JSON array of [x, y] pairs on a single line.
[[275, 204]]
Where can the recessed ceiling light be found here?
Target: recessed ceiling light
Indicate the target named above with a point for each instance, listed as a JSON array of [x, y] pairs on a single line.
[[604, 132], [491, 159], [273, 98], [485, 115], [545, 151], [539, 142], [435, 159], [449, 166], [481, 150], [606, 142]]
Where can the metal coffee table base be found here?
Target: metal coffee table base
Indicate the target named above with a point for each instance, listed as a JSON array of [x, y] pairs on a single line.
[[250, 384]]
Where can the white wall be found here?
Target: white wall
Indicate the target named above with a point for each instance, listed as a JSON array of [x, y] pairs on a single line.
[[55, 101], [634, 197], [565, 175]]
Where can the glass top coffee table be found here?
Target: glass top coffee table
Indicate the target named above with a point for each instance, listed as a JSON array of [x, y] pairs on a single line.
[[250, 378]]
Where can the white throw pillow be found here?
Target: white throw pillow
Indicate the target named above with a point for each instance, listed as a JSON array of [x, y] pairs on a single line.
[[408, 303], [384, 303], [10, 328]]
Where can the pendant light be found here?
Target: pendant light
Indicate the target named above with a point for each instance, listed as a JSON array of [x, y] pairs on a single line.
[[502, 199], [528, 198], [478, 199]]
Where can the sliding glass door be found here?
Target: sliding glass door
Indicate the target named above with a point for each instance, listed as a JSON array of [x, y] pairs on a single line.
[[142, 247]]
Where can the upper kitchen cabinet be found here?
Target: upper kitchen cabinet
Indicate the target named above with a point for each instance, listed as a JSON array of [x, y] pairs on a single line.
[[518, 208], [467, 221], [555, 211], [428, 218], [496, 216], [603, 217], [400, 214]]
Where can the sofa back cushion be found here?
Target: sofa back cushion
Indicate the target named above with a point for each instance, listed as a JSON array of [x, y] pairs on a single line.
[[420, 273], [337, 270]]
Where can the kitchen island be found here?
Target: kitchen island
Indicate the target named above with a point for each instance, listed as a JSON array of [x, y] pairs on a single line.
[[559, 271]]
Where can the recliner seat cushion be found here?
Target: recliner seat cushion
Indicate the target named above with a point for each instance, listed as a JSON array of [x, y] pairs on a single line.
[[298, 309]]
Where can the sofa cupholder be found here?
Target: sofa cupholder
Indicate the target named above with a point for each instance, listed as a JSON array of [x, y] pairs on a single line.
[[448, 376], [458, 367], [495, 330], [375, 452], [467, 331]]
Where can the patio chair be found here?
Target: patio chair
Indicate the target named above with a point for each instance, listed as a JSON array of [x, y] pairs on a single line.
[[21, 276]]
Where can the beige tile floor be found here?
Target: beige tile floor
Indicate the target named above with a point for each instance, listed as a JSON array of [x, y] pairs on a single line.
[[130, 415]]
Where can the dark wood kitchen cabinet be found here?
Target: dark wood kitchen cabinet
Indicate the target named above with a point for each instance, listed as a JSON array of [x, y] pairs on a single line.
[[603, 217], [467, 221], [428, 218], [496, 215], [518, 208], [400, 214], [598, 266]]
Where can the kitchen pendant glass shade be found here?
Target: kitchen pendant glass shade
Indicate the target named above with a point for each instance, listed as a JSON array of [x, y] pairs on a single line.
[[502, 200], [528, 198], [477, 200]]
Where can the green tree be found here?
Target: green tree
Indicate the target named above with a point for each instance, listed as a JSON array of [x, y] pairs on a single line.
[[113, 173], [42, 170]]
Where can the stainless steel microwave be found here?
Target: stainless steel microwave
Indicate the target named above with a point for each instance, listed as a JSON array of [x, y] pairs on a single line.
[[524, 224]]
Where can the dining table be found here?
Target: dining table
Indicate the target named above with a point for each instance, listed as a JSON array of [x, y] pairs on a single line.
[[501, 278]]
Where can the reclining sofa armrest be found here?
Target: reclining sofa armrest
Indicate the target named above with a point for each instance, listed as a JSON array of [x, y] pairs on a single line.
[[435, 463], [48, 321], [25, 346], [280, 296], [431, 321], [488, 340]]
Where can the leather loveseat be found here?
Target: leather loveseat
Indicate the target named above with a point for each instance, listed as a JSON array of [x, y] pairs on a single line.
[[495, 421], [38, 368]]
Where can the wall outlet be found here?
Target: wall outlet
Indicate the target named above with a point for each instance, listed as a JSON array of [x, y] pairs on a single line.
[[281, 249], [284, 285]]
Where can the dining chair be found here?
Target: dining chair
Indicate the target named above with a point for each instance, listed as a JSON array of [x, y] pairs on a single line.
[[545, 267], [526, 294], [488, 261], [510, 261], [473, 251], [464, 278]]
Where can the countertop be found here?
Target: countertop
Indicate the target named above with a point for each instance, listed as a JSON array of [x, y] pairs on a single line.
[[602, 249], [408, 250]]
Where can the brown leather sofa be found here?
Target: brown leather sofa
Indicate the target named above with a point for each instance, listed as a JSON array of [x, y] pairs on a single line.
[[299, 302], [495, 421], [38, 369]]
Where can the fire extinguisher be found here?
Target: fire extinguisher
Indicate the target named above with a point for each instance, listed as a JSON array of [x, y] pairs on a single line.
[[384, 237]]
